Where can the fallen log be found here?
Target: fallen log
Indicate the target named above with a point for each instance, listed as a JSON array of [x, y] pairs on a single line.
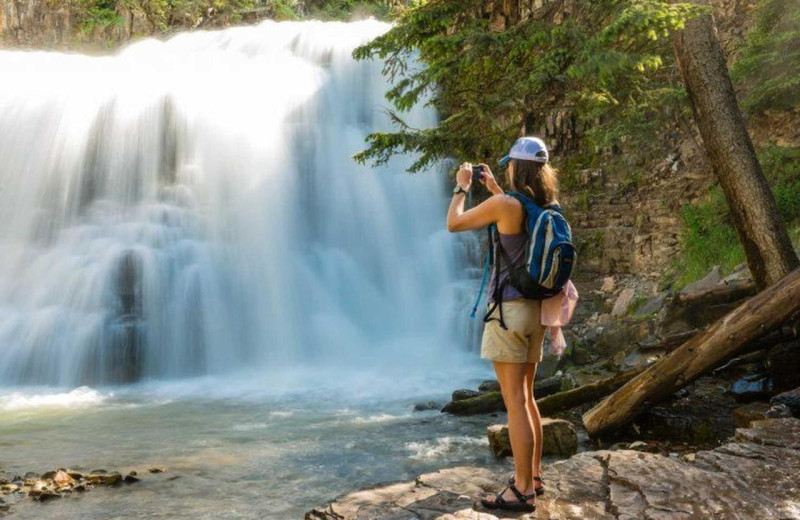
[[721, 293], [727, 337], [585, 394]]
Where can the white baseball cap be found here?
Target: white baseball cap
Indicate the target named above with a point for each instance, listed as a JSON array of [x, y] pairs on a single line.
[[528, 149]]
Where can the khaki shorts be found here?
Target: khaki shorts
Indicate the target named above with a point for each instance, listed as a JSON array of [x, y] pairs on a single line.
[[522, 342]]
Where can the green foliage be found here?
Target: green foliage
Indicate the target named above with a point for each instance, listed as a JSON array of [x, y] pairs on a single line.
[[709, 237], [491, 85], [348, 9], [769, 67]]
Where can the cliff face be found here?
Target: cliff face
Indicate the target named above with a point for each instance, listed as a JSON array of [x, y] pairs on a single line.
[[34, 22]]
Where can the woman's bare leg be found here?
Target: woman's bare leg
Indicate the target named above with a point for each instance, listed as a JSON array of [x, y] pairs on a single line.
[[511, 377], [535, 419]]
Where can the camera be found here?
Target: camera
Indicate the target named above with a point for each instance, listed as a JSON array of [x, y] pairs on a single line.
[[477, 172]]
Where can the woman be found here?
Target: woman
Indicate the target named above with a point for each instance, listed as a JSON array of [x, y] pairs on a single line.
[[517, 350]]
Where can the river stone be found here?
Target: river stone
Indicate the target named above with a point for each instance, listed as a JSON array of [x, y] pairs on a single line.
[[748, 413], [489, 385], [488, 402], [560, 438], [429, 405], [463, 393], [790, 399], [608, 284], [108, 479]]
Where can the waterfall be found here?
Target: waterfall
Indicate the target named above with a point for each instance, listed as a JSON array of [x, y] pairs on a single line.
[[191, 207]]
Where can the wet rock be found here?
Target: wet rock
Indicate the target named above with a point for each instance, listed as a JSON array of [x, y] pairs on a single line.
[[157, 470], [748, 413], [31, 475], [5, 478], [489, 385], [488, 402], [752, 387], [429, 405], [463, 393], [791, 399], [622, 303], [560, 438], [62, 480], [43, 494], [104, 479], [131, 477]]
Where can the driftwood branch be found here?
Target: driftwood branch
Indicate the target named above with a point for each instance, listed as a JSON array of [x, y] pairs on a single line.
[[754, 319]]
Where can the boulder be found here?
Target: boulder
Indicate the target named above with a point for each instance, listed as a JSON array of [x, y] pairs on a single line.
[[428, 405], [560, 439], [622, 303], [608, 284], [489, 385], [488, 402], [748, 413], [653, 305], [707, 282], [791, 399], [463, 393]]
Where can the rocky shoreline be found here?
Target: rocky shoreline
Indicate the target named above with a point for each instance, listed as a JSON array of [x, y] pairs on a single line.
[[755, 476], [59, 483]]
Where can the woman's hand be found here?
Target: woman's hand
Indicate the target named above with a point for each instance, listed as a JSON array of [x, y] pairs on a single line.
[[464, 176], [489, 181]]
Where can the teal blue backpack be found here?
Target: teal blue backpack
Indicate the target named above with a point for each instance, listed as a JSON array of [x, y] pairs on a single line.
[[549, 260]]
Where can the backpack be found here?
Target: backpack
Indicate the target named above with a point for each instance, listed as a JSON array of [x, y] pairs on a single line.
[[549, 260]]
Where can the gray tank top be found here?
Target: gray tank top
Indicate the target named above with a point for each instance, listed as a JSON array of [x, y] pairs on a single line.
[[515, 247]]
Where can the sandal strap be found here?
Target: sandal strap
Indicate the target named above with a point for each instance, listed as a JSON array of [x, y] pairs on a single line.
[[538, 479], [522, 498]]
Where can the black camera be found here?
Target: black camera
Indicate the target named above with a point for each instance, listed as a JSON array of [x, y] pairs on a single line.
[[477, 173]]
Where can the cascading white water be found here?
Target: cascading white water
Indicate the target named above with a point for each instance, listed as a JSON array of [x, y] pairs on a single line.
[[191, 207]]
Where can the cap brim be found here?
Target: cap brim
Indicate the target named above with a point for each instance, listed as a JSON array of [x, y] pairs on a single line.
[[504, 160]]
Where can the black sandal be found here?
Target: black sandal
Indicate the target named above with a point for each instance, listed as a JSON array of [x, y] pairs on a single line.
[[539, 489], [521, 506]]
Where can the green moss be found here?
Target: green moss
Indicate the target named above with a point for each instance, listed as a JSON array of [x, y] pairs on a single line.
[[709, 237]]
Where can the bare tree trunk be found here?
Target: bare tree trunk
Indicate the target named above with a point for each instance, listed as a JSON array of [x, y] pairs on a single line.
[[729, 336], [702, 64]]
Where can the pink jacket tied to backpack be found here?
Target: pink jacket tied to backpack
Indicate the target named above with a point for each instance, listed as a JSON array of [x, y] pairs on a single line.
[[556, 312]]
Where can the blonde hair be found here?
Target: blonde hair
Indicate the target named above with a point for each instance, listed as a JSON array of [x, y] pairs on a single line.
[[538, 181]]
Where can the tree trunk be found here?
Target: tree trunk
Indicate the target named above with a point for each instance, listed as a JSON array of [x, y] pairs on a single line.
[[753, 319], [585, 394], [702, 65]]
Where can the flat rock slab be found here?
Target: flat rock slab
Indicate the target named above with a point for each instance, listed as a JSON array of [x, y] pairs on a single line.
[[755, 477]]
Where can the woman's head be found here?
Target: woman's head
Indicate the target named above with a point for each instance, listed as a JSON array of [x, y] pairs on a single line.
[[535, 179], [529, 172]]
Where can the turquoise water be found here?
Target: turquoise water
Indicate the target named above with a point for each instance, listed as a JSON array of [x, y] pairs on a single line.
[[238, 449]]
